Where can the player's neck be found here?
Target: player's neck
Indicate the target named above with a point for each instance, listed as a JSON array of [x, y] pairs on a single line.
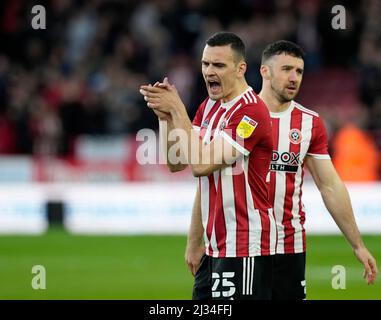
[[272, 103], [240, 88]]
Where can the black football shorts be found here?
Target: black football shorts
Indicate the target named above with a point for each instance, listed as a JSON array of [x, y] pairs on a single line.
[[289, 282], [233, 278]]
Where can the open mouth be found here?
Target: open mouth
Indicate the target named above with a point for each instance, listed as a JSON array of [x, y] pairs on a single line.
[[291, 88], [214, 86]]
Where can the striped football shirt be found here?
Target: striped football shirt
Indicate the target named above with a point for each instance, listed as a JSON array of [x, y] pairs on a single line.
[[237, 216], [297, 132]]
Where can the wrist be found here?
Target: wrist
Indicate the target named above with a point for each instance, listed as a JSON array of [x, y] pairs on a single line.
[[359, 245], [178, 111], [195, 242]]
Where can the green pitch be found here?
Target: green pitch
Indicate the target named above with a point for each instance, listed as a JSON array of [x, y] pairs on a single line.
[[150, 267]]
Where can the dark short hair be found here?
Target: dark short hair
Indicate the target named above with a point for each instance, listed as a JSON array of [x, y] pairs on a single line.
[[224, 38], [282, 46]]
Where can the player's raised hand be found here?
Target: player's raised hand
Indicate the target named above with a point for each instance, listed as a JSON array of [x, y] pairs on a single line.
[[160, 114], [165, 84], [162, 97], [165, 116], [369, 263]]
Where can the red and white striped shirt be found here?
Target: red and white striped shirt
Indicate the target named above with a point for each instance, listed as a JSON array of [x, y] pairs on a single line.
[[297, 132], [236, 212]]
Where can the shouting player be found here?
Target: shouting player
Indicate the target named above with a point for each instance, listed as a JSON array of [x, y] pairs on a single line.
[[232, 235]]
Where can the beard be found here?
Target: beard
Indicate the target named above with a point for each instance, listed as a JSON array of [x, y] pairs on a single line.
[[282, 95]]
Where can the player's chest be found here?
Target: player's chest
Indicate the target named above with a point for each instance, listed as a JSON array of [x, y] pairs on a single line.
[[212, 124], [291, 140]]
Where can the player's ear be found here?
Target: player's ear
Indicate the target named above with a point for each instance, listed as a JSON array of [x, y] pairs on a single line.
[[265, 72], [242, 67]]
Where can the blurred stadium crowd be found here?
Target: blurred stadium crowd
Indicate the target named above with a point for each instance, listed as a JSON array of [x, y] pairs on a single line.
[[80, 76]]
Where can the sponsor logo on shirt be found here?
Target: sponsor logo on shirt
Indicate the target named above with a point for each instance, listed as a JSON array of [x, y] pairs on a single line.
[[246, 127], [285, 161]]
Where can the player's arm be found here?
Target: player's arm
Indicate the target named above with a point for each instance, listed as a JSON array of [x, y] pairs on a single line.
[[195, 246], [336, 198], [203, 159], [176, 161]]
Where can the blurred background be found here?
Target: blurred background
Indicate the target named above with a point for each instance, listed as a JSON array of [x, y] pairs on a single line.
[[70, 112]]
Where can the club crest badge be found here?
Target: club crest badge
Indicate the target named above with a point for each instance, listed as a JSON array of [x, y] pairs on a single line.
[[205, 123], [246, 127], [295, 136]]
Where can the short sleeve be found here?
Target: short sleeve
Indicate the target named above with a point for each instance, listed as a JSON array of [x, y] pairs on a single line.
[[246, 128], [319, 142], [197, 120]]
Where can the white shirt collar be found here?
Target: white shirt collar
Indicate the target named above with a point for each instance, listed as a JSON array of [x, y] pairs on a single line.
[[285, 112], [232, 102]]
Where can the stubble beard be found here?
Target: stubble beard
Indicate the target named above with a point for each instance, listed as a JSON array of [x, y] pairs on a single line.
[[281, 96]]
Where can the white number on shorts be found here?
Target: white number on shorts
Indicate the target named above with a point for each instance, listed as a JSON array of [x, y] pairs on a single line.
[[225, 284]]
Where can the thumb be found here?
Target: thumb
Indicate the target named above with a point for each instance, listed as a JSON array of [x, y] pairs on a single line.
[[193, 270], [165, 84]]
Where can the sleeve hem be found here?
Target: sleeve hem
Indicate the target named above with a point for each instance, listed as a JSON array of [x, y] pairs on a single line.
[[319, 156]]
